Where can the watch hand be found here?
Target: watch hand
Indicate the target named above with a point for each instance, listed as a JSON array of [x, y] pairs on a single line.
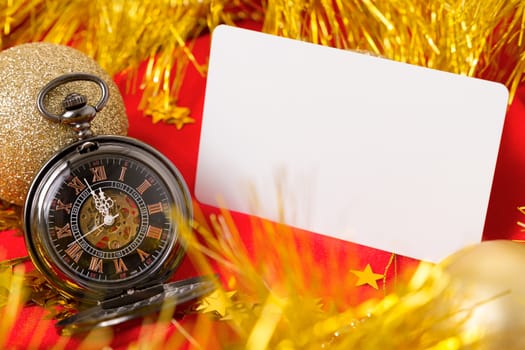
[[89, 187], [108, 221], [96, 198], [92, 230], [105, 202], [102, 202]]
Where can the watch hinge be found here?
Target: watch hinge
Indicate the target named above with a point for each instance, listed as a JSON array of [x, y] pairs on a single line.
[[132, 296], [88, 146]]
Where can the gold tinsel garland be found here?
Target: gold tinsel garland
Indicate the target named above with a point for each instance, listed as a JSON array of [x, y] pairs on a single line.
[[282, 301], [10, 216], [263, 304], [121, 34], [478, 39], [484, 40]]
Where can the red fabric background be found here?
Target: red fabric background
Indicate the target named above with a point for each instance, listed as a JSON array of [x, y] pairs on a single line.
[[181, 147]]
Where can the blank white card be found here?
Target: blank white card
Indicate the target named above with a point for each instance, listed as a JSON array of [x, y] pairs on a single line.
[[368, 150]]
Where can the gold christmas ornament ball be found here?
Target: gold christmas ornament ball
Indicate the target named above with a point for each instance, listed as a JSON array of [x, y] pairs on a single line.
[[27, 139], [487, 285]]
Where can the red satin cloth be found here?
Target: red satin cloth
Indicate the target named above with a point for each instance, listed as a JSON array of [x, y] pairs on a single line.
[[32, 329]]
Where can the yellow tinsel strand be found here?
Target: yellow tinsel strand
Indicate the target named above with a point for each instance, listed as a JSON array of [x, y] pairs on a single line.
[[10, 216], [270, 310], [461, 36], [14, 301], [467, 37], [122, 34], [484, 40]]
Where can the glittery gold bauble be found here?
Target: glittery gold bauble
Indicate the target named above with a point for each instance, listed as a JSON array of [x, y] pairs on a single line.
[[488, 289], [27, 139]]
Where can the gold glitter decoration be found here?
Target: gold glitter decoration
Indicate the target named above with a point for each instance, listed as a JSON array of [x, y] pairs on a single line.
[[36, 290], [12, 300], [283, 299], [472, 300], [27, 139], [216, 303], [121, 34], [43, 294], [484, 40], [367, 277], [10, 216], [169, 111], [468, 37]]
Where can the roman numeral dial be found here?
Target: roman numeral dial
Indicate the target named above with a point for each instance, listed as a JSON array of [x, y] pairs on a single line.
[[111, 219], [99, 173], [103, 217]]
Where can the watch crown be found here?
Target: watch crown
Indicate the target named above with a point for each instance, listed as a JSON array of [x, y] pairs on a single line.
[[74, 101]]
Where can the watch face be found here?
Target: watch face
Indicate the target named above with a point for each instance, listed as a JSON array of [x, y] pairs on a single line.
[[105, 215]]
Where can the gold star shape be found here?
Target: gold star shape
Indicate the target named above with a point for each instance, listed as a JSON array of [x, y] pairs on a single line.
[[367, 276], [217, 302], [163, 108]]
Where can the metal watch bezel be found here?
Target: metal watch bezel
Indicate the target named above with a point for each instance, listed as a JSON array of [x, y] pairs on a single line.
[[35, 217]]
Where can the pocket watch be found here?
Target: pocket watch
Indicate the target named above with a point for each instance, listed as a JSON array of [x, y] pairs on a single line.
[[103, 219]]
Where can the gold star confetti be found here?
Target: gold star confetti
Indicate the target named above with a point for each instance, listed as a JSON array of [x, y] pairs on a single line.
[[217, 303], [367, 276], [9, 216], [163, 108]]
